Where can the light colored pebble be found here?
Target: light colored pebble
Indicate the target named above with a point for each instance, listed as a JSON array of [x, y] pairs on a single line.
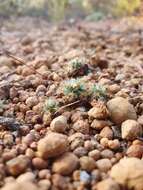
[[130, 130], [104, 164], [65, 164], [54, 144], [17, 165], [87, 163], [59, 124]]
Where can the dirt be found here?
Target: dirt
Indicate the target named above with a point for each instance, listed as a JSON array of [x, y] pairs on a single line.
[[71, 104]]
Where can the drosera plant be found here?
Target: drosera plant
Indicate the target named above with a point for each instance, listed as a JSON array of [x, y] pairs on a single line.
[[74, 87], [98, 91], [78, 67], [51, 105], [77, 89]]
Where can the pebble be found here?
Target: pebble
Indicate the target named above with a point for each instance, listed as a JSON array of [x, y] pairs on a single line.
[[80, 151], [120, 110], [98, 112], [54, 144], [87, 163], [44, 174], [104, 164], [130, 129], [107, 153], [81, 126], [59, 182], [44, 184], [17, 165], [26, 177], [107, 184], [65, 164], [39, 163], [31, 101], [95, 154], [135, 151], [128, 172], [114, 144], [20, 186], [99, 124], [8, 139], [59, 124], [106, 132], [84, 177]]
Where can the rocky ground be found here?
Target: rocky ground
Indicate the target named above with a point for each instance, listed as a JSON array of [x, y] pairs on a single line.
[[71, 108]]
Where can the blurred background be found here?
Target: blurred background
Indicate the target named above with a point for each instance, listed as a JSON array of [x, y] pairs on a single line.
[[64, 10]]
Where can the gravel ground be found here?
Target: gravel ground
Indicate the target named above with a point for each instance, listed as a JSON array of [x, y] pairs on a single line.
[[71, 105]]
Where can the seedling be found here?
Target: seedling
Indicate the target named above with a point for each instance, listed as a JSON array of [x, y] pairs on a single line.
[[78, 67], [76, 64], [51, 105], [98, 91], [75, 88]]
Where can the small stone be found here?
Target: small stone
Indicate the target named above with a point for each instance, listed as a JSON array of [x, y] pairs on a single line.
[[39, 163], [95, 154], [140, 120], [99, 111], [30, 153], [104, 142], [8, 139], [44, 174], [114, 144], [27, 177], [114, 88], [87, 163], [120, 110], [59, 181], [81, 126], [130, 130], [106, 132], [44, 184], [59, 124], [31, 101], [65, 164], [89, 145], [17, 165], [84, 177], [107, 153], [47, 118], [80, 151], [99, 124], [104, 164], [20, 186], [135, 151], [54, 144], [107, 184], [128, 172]]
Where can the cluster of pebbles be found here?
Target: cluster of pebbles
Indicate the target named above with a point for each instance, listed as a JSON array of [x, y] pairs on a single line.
[[98, 145]]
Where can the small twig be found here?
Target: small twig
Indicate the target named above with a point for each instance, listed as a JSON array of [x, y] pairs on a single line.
[[7, 53], [67, 105], [9, 122]]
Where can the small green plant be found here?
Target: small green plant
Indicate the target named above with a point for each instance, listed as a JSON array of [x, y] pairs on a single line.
[[76, 64], [78, 67], [51, 105], [77, 89], [74, 87], [98, 91]]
